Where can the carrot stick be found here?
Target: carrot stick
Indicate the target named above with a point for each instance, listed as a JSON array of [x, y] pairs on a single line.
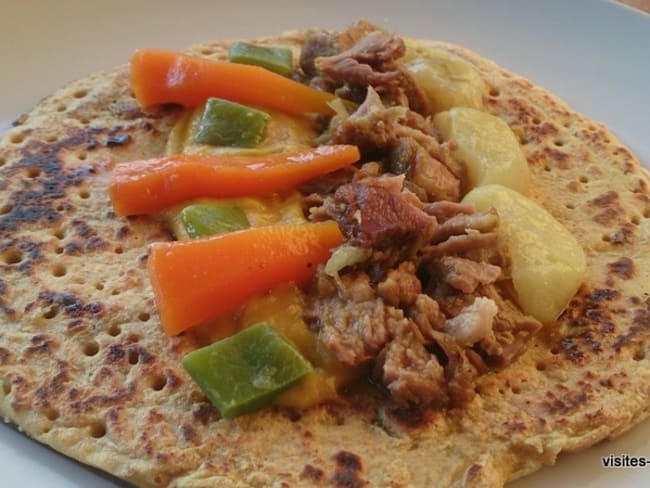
[[168, 77], [149, 186], [195, 281]]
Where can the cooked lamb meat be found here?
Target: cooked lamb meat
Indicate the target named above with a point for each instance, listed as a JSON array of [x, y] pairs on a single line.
[[465, 274], [466, 224], [318, 43], [355, 332], [426, 314], [445, 210], [401, 286], [422, 306], [473, 323], [369, 60], [412, 374], [511, 329], [372, 216]]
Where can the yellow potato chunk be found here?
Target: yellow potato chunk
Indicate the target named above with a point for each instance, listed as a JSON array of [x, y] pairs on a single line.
[[445, 78], [547, 265], [486, 146]]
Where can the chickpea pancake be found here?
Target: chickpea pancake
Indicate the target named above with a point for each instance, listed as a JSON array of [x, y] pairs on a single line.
[[474, 300]]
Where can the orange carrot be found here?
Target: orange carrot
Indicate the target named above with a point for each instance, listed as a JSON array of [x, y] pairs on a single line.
[[169, 77], [199, 280], [149, 186]]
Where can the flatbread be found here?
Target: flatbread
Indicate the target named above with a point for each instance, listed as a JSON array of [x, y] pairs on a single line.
[[86, 369]]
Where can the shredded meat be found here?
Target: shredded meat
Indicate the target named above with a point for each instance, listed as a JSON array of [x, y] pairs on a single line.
[[355, 331], [317, 44], [473, 323], [372, 216], [510, 332], [465, 274], [423, 308], [412, 374], [401, 286], [411, 151], [369, 60]]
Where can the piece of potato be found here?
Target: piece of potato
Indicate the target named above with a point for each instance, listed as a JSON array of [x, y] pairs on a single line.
[[446, 79], [486, 146], [547, 265]]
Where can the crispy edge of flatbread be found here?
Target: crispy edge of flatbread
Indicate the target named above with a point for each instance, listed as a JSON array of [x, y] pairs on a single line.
[[85, 368]]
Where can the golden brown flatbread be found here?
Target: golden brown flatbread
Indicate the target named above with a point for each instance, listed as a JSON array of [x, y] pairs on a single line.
[[86, 369]]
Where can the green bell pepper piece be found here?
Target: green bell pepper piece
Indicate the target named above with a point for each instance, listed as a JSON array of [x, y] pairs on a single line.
[[277, 59], [207, 219], [244, 372], [226, 123]]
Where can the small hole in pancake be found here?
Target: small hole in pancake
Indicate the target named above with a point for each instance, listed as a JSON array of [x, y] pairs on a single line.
[[536, 120], [32, 172], [59, 233], [540, 366], [119, 250], [99, 286], [98, 430], [158, 382], [134, 357], [61, 107], [143, 317], [494, 92], [114, 330], [207, 52], [50, 138], [646, 214], [17, 138], [51, 313], [59, 250], [80, 93], [547, 167], [12, 255], [516, 390], [607, 238], [5, 209], [570, 206], [636, 220], [91, 348], [2, 161], [115, 292], [559, 142], [639, 355], [584, 179], [6, 387], [555, 350], [82, 156], [84, 194], [51, 413], [84, 121], [59, 270]]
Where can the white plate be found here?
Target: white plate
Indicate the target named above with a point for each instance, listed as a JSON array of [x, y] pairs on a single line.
[[592, 54]]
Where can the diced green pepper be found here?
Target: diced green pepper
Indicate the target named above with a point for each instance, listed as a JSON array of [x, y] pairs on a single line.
[[278, 59], [244, 372], [206, 219], [226, 123]]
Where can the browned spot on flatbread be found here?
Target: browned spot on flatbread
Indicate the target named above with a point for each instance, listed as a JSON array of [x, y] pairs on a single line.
[[71, 304], [473, 473], [348, 470], [622, 268], [313, 474], [42, 343]]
